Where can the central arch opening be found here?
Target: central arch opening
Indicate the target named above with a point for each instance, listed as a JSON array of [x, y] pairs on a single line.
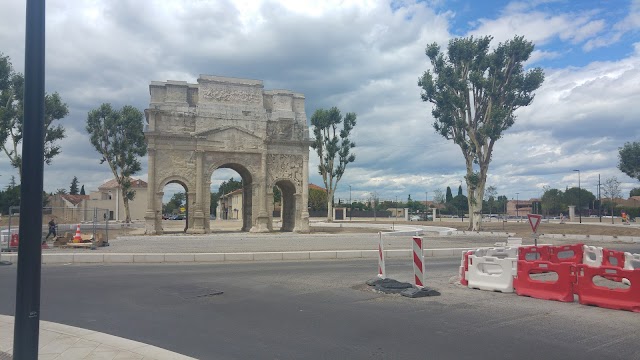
[[231, 198]]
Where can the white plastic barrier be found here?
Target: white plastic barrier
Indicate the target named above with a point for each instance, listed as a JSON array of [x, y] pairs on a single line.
[[499, 252], [491, 273], [631, 261], [514, 242], [592, 256]]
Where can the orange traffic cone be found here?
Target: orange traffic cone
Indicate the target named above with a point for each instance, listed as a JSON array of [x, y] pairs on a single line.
[[78, 237]]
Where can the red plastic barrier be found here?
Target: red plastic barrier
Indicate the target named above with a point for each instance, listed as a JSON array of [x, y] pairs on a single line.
[[608, 254], [542, 251], [619, 299], [463, 280], [14, 241], [559, 290], [575, 258]]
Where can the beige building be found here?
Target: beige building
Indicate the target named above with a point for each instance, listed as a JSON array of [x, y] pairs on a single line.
[[230, 206], [67, 208], [109, 197], [520, 207]]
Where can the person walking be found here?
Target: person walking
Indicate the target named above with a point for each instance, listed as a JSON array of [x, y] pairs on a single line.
[[52, 230]]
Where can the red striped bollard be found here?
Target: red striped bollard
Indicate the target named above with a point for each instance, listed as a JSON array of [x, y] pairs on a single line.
[[418, 269], [382, 273], [418, 261]]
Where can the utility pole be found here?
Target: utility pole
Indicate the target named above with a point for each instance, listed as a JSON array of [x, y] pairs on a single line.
[[396, 207], [350, 203], [517, 213], [27, 311], [579, 191]]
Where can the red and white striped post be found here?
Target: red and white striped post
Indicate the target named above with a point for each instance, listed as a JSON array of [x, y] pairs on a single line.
[[418, 262], [382, 273]]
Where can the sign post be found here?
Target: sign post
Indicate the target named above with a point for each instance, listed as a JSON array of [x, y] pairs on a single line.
[[534, 221]]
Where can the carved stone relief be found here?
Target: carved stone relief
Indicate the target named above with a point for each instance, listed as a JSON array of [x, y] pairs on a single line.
[[285, 167]]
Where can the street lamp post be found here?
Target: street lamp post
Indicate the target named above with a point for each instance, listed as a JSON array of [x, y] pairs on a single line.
[[517, 210], [579, 191], [396, 208]]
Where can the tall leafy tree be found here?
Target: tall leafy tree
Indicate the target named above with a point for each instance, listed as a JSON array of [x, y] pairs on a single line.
[[331, 142], [475, 93], [73, 189], [82, 191], [12, 116], [460, 190], [449, 195], [118, 136], [611, 190], [317, 199], [490, 195], [552, 201], [584, 199], [634, 192], [629, 159]]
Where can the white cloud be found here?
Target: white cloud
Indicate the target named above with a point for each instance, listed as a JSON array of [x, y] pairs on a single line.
[[629, 23], [540, 27], [362, 56]]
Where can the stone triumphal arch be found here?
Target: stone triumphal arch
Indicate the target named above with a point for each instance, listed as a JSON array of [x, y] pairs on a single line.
[[220, 122]]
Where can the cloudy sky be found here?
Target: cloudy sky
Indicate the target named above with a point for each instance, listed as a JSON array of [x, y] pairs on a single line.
[[364, 56]]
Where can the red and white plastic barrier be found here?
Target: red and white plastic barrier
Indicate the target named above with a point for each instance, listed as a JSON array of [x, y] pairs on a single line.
[[566, 254], [418, 261], [559, 290], [608, 257], [619, 299]]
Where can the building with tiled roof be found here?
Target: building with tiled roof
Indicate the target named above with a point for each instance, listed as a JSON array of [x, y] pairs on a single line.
[[109, 198]]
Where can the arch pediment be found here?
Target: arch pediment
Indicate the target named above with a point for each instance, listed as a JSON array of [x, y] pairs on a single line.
[[232, 138]]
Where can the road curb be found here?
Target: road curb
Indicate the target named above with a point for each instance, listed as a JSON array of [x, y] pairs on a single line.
[[155, 258]]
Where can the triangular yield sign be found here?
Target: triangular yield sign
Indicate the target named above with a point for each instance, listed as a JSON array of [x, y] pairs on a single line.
[[534, 221]]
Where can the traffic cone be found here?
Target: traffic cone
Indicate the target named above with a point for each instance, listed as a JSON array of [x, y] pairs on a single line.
[[78, 237]]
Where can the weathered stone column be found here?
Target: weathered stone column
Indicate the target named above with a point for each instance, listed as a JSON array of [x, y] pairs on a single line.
[[302, 223], [261, 222], [197, 224], [152, 219], [572, 212]]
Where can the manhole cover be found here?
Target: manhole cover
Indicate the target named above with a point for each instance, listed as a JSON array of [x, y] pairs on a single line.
[[190, 291]]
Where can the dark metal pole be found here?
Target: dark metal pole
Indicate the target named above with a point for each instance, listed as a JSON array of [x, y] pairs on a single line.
[[27, 315], [579, 201], [599, 200]]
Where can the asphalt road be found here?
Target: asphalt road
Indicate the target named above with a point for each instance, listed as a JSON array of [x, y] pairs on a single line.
[[321, 310]]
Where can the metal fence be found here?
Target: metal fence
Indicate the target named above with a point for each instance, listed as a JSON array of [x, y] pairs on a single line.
[[93, 222]]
